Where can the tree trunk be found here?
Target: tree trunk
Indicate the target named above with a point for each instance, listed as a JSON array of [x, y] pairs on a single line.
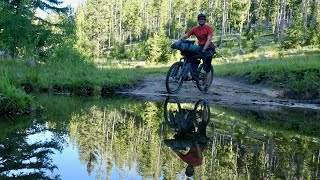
[[223, 24], [276, 27], [158, 16], [248, 17], [179, 21], [120, 23], [282, 14], [211, 8], [259, 12], [185, 17], [304, 17], [110, 32], [268, 17], [317, 169], [240, 38], [170, 17]]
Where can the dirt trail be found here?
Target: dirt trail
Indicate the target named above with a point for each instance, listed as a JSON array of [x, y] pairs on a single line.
[[224, 91]]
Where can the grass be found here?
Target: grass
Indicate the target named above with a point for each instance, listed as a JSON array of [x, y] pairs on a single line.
[[299, 76], [65, 72], [12, 99]]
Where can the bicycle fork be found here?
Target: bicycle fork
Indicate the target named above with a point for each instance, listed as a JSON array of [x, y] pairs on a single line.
[[185, 72]]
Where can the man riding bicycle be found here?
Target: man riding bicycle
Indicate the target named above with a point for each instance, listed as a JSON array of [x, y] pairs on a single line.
[[204, 35]]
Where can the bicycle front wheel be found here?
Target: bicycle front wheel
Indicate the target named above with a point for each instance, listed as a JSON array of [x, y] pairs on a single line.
[[174, 78], [202, 74], [172, 109]]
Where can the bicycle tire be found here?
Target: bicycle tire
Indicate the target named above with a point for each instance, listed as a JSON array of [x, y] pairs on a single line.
[[171, 100], [202, 74], [174, 78], [200, 106]]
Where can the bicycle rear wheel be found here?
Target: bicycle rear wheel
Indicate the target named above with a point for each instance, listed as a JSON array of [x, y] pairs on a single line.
[[174, 78], [202, 75], [203, 110]]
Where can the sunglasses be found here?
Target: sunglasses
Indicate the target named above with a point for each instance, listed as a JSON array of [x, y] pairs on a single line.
[[201, 19]]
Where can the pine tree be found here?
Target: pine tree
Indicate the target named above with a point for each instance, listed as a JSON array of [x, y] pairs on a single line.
[[20, 19], [82, 42]]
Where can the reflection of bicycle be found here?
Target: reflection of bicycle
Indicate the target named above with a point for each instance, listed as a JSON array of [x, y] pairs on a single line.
[[182, 71], [189, 124], [185, 120]]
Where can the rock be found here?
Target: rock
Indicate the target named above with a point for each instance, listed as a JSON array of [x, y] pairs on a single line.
[[4, 55], [267, 54], [31, 62]]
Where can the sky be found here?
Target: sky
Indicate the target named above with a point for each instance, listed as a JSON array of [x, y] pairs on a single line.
[[73, 3]]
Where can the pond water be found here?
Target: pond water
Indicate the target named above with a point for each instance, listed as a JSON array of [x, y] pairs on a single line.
[[124, 138]]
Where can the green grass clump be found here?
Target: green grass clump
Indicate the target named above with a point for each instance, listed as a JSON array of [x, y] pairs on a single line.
[[66, 71], [299, 76], [12, 99]]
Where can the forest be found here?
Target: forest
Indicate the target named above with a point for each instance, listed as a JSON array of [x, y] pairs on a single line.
[[94, 50], [67, 50], [106, 28]]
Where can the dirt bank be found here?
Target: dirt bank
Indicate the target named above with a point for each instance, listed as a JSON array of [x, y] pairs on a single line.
[[224, 91]]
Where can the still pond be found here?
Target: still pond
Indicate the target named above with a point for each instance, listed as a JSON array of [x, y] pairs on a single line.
[[125, 138]]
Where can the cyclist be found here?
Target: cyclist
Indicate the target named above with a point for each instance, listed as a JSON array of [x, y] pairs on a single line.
[[190, 133], [204, 35]]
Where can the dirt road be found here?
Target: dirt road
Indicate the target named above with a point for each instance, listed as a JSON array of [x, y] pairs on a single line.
[[224, 91]]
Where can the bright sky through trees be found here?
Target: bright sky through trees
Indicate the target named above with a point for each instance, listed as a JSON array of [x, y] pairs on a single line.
[[73, 3]]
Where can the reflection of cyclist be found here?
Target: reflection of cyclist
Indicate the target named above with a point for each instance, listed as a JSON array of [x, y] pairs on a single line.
[[191, 134], [193, 158], [204, 35]]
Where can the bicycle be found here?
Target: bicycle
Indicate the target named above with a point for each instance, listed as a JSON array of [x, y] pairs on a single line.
[[188, 129], [175, 116], [181, 71]]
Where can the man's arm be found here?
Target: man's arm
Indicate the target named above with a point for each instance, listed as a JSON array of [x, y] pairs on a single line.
[[178, 153], [199, 152], [209, 39], [185, 36]]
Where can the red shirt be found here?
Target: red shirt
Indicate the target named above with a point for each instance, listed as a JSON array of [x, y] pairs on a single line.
[[192, 156], [202, 33]]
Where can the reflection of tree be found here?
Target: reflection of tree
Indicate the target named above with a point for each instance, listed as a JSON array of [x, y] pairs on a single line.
[[131, 136], [260, 154], [124, 137], [23, 160]]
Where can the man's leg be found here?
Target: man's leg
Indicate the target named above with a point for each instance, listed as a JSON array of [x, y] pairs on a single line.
[[207, 78], [194, 66], [207, 68]]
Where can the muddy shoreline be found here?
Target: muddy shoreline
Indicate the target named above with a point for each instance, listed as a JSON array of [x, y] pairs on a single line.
[[226, 91]]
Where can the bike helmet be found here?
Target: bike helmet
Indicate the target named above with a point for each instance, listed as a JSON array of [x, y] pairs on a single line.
[[201, 15]]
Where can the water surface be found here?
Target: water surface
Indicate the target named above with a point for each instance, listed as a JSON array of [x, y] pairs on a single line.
[[124, 138]]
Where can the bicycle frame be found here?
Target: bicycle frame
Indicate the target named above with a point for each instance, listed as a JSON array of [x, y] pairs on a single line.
[[186, 68]]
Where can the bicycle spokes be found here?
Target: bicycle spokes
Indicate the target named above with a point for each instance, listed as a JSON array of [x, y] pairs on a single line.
[[174, 78]]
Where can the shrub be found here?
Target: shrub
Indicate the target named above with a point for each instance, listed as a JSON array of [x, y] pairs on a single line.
[[119, 51], [12, 99], [293, 39], [66, 54]]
